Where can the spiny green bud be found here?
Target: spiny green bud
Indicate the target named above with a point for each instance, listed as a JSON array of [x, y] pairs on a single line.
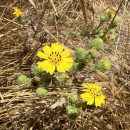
[[103, 19], [37, 71], [107, 11], [115, 21], [74, 67], [61, 77], [72, 112], [88, 29], [97, 44], [113, 37], [88, 59], [103, 65], [112, 29], [80, 53], [73, 98], [101, 35], [22, 79], [41, 92]]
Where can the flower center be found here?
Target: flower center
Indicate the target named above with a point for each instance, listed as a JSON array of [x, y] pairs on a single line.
[[107, 64], [94, 93], [54, 58]]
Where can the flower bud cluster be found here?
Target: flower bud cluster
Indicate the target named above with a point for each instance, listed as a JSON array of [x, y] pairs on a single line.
[[103, 65], [72, 112], [41, 92], [22, 79]]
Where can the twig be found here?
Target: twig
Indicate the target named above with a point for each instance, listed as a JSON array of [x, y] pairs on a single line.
[[84, 10], [8, 112]]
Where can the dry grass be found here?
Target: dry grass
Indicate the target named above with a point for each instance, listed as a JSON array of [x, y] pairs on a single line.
[[20, 108]]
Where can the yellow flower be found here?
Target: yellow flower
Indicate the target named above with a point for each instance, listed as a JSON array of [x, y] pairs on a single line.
[[93, 94], [18, 12], [107, 64], [55, 58], [111, 13]]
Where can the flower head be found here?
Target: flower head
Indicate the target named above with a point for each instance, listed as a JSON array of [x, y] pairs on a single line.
[[103, 65], [55, 58], [93, 94], [18, 12], [107, 64], [111, 13], [96, 43]]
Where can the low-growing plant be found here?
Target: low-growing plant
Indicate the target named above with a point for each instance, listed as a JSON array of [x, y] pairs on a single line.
[[56, 65]]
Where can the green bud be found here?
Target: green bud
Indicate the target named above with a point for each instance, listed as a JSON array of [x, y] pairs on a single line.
[[80, 53], [88, 59], [22, 79], [97, 44], [115, 21], [61, 77], [107, 11], [72, 112], [103, 65], [107, 14], [73, 98], [74, 67], [112, 29], [87, 30], [101, 35], [41, 92], [37, 71], [103, 19], [113, 37]]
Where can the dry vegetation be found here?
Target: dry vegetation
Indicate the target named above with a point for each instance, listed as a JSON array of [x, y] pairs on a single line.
[[19, 107]]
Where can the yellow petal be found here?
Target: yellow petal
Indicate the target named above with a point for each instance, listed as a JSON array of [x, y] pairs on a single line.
[[43, 64], [65, 65], [86, 90], [65, 53], [97, 102], [60, 48], [84, 85], [50, 68], [86, 96], [47, 50], [60, 68], [53, 47], [91, 85], [98, 87], [70, 60], [91, 101], [42, 55]]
